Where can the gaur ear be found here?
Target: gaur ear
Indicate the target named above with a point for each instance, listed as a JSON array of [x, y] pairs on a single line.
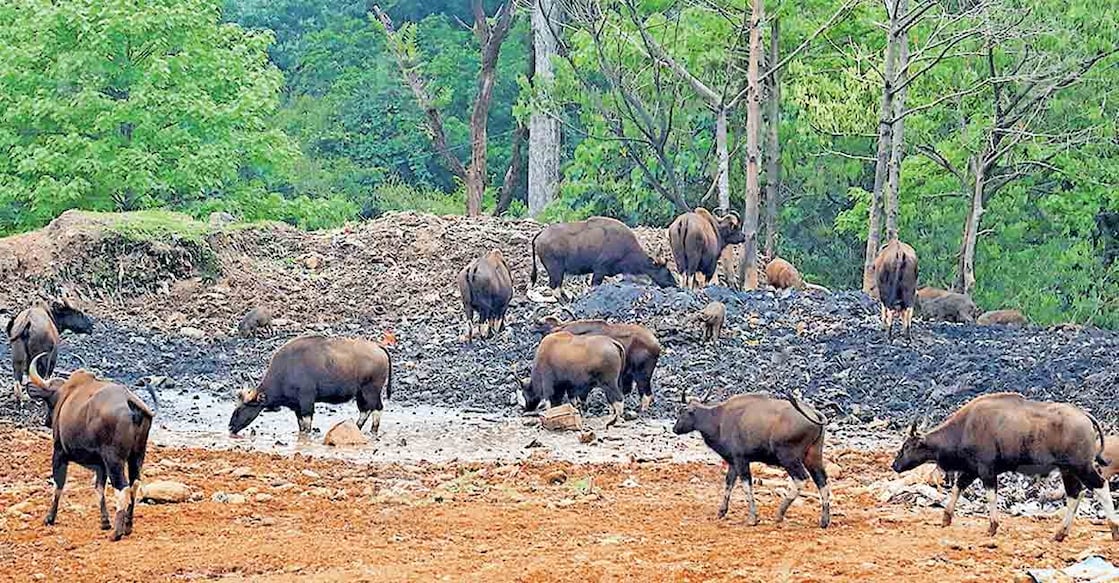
[[913, 429]]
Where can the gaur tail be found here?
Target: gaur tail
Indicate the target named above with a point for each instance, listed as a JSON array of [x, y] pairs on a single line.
[[1099, 431], [155, 399], [817, 419], [621, 353], [139, 409], [895, 299], [388, 379], [532, 275]]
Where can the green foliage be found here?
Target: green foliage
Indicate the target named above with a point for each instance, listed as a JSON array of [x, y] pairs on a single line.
[[155, 225]]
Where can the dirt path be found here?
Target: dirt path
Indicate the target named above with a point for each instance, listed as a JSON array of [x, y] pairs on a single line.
[[328, 520]]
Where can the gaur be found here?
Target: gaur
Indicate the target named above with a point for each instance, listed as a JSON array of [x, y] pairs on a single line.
[[320, 369], [756, 427], [37, 330], [257, 319], [1009, 318], [1005, 432], [895, 273], [698, 239], [780, 274], [600, 246], [712, 317], [486, 286], [572, 365], [102, 426], [948, 307]]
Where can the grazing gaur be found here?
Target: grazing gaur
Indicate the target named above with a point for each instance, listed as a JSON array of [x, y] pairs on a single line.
[[783, 275], [698, 239], [600, 246], [895, 273], [948, 307], [1010, 318], [640, 343], [102, 426], [318, 369], [37, 330], [756, 427], [572, 365], [712, 317], [486, 286], [1005, 432], [258, 318]]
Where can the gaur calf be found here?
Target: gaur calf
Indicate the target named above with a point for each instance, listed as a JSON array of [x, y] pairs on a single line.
[[780, 274], [712, 317], [320, 369], [697, 240], [1005, 432], [1009, 318], [895, 277], [570, 364], [756, 427], [486, 286], [258, 318], [643, 350], [102, 426], [37, 330]]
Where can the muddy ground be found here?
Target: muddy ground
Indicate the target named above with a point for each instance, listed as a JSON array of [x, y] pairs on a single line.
[[328, 520], [452, 486]]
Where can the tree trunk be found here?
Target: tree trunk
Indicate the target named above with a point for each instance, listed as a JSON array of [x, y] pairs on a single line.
[[772, 147], [965, 272], [893, 178], [512, 173], [723, 179], [544, 129], [885, 131], [747, 267]]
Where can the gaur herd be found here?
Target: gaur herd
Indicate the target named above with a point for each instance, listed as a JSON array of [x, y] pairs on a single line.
[[104, 426]]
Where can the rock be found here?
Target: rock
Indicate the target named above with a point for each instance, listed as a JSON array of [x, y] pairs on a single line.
[[242, 472], [345, 434], [553, 477], [564, 417], [311, 474], [225, 498], [221, 219], [192, 332], [24, 507], [313, 261], [587, 437], [263, 497], [833, 470], [165, 492], [630, 482]]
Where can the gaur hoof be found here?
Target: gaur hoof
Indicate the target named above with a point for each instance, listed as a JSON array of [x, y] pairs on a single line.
[[992, 529], [49, 520], [753, 521], [1115, 532], [721, 514], [1060, 535], [825, 520], [117, 535], [105, 525], [946, 521]]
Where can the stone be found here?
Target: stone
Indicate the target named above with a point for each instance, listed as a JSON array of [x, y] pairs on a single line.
[[220, 219], [557, 476], [192, 332], [242, 472], [345, 434], [263, 497], [165, 492], [20, 508], [561, 418]]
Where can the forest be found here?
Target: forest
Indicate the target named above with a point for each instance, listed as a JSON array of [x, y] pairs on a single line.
[[982, 132]]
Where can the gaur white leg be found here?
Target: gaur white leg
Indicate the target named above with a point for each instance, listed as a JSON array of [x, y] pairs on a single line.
[[993, 509], [617, 408], [646, 401], [305, 425], [732, 477], [748, 486], [376, 422], [825, 506], [361, 418], [790, 496], [950, 508], [99, 487], [1104, 496], [1071, 504], [19, 392], [484, 329]]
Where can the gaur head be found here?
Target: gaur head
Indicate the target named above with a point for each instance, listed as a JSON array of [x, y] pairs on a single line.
[[67, 316], [659, 273], [913, 452], [730, 228], [548, 324], [527, 398], [251, 404], [685, 421]]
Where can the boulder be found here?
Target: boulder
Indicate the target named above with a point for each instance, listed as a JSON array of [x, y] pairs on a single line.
[[345, 434], [564, 417], [165, 492]]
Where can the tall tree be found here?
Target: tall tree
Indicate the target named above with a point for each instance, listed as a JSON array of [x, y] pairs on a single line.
[[490, 37], [544, 127], [747, 267], [773, 143]]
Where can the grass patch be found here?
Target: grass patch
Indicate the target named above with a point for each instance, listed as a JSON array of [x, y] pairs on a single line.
[[155, 225]]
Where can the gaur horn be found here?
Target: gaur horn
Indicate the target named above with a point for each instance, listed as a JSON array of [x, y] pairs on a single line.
[[913, 428], [569, 312], [33, 372]]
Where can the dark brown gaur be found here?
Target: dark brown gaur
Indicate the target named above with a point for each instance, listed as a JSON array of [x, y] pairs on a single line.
[[572, 365], [1009, 318], [37, 330], [756, 427], [1005, 432], [486, 286], [258, 318], [320, 369], [600, 246], [698, 239], [102, 426], [895, 276], [643, 350]]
